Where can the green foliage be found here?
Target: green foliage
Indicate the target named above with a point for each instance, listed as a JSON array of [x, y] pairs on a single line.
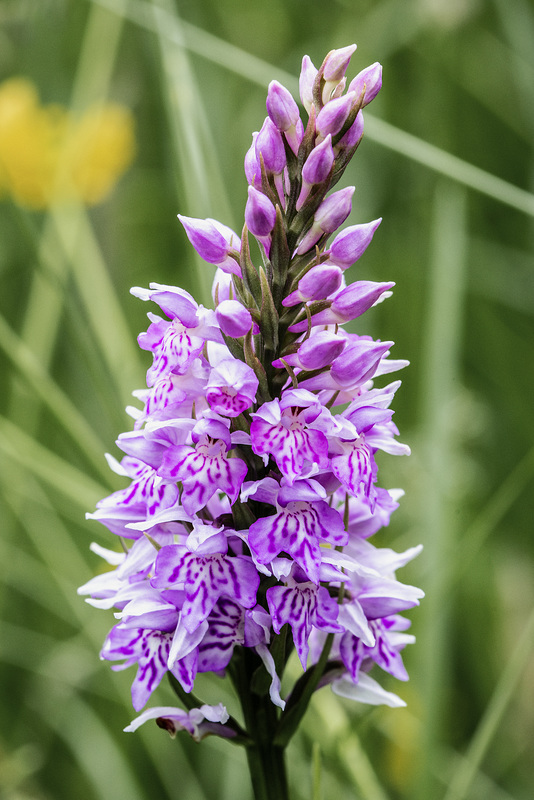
[[446, 162]]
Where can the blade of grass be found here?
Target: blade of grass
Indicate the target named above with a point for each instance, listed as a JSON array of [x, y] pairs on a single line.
[[489, 724], [108, 322], [102, 35], [401, 142], [498, 505], [102, 760], [70, 419], [449, 165], [195, 153], [440, 375], [43, 312], [60, 555], [357, 764], [49, 467]]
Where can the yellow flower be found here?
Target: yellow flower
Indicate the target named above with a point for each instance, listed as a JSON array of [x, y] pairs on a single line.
[[30, 141], [100, 147], [48, 155]]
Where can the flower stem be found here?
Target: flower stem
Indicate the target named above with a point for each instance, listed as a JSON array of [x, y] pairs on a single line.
[[267, 771], [265, 759]]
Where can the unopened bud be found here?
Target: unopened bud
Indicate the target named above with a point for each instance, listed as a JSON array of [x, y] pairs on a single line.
[[329, 216], [281, 106], [358, 362], [353, 135], [260, 214], [334, 68], [351, 243], [270, 146], [336, 62], [333, 115], [234, 319], [369, 79], [252, 163], [356, 299], [306, 80], [320, 350], [318, 284], [316, 168], [213, 242]]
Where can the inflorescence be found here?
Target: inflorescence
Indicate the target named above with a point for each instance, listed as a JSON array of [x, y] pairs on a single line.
[[252, 476]]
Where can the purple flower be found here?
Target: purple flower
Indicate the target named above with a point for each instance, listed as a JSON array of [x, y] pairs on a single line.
[[205, 577], [351, 243], [285, 431], [213, 242], [204, 469], [369, 81], [234, 318], [198, 722], [260, 214], [149, 649], [317, 284], [251, 486], [297, 528], [231, 388], [304, 606]]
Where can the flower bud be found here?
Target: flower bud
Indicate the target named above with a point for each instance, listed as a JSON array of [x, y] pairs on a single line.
[[260, 214], [336, 62], [233, 318], [329, 216], [369, 79], [220, 289], [205, 238], [252, 163], [358, 362], [353, 135], [284, 113], [357, 298], [281, 106], [317, 284], [213, 242], [349, 303], [319, 162], [269, 144], [334, 68], [351, 243], [306, 80], [333, 115], [316, 168], [320, 350]]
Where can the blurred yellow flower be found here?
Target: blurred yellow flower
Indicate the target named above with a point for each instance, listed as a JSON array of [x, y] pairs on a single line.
[[49, 155]]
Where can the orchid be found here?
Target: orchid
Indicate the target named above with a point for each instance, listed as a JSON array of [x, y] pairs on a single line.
[[253, 480]]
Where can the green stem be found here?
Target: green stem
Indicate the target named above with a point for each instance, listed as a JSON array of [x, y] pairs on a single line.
[[267, 772], [265, 759]]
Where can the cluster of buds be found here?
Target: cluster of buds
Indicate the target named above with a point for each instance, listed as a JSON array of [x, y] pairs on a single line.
[[253, 482]]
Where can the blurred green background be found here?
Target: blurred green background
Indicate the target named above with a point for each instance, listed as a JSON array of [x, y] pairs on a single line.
[[447, 162]]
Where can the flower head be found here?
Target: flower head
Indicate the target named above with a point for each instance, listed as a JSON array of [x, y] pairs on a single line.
[[253, 483]]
